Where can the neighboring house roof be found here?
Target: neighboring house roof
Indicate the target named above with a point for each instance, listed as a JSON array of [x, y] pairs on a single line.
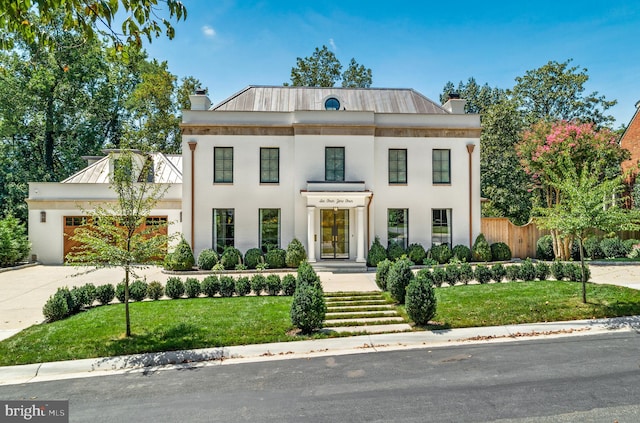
[[630, 140], [289, 99], [167, 168]]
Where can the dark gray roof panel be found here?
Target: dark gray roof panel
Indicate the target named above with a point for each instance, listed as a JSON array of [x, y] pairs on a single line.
[[289, 99]]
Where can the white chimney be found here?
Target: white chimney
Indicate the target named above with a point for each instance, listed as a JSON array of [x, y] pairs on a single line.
[[455, 104], [200, 100]]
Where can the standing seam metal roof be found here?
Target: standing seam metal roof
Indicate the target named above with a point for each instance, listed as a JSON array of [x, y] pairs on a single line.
[[289, 99]]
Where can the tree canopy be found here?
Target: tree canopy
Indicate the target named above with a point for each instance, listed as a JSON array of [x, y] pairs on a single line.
[[323, 69], [28, 19]]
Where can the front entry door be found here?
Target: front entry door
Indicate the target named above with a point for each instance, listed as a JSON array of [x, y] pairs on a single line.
[[335, 233]]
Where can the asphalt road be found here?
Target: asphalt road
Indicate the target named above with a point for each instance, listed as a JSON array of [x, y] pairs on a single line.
[[579, 379]]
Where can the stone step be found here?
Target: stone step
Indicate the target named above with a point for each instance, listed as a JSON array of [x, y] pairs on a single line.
[[331, 299], [371, 320], [356, 309], [354, 303], [338, 315], [339, 267], [401, 327]]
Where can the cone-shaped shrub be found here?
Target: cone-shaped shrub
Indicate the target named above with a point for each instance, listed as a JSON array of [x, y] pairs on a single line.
[[308, 307], [376, 254], [481, 250], [181, 258], [400, 275], [421, 299], [307, 276], [382, 271], [295, 253]]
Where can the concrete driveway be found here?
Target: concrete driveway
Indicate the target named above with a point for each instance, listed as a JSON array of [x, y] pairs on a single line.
[[23, 292]]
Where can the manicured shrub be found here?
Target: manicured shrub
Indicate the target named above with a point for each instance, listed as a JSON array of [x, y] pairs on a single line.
[[243, 286], [452, 272], [376, 254], [295, 253], [482, 274], [544, 248], [527, 271], [395, 251], [308, 307], [230, 258], [441, 253], [307, 276], [416, 253], [542, 271], [192, 287], [227, 286], [55, 308], [90, 294], [512, 272], [573, 272], [462, 253], [210, 285], [498, 273], [439, 276], [14, 243], [258, 283], [421, 300], [630, 244], [155, 290], [481, 251], [557, 270], [288, 284], [275, 258], [500, 251], [105, 293], [613, 248], [80, 298], [181, 258], [207, 259], [274, 284], [174, 287], [253, 257], [466, 273], [425, 274], [382, 271], [592, 248], [400, 275], [138, 290], [120, 292]]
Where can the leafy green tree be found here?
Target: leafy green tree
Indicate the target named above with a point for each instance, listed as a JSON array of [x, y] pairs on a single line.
[[112, 237], [478, 97], [555, 91], [544, 150], [588, 203], [23, 18], [323, 69], [356, 76], [14, 244], [503, 180]]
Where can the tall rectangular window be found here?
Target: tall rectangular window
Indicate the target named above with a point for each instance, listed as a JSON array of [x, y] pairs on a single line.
[[223, 164], [269, 165], [397, 166], [223, 229], [269, 229], [334, 164], [398, 226], [441, 166], [441, 227]]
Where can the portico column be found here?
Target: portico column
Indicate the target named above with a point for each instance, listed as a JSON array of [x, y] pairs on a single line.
[[360, 258], [311, 244]]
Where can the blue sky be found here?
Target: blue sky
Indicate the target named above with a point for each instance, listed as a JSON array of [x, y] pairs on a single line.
[[230, 44]]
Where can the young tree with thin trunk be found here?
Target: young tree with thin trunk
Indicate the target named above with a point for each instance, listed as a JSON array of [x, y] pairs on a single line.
[[113, 235]]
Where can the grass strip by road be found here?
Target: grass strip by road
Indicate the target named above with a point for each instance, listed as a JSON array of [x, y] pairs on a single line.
[[214, 322]]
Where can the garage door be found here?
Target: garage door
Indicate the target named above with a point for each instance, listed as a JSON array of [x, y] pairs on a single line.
[[71, 223]]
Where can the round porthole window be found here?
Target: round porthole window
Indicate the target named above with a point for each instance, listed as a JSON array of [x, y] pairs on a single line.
[[332, 103]]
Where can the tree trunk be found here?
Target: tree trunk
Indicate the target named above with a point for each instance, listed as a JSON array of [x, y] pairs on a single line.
[[584, 273], [126, 301], [48, 135]]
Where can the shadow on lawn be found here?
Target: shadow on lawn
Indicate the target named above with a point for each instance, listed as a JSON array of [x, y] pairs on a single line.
[[173, 346]]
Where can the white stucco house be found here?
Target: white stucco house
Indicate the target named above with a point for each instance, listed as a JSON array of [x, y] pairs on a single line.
[[57, 208], [332, 167]]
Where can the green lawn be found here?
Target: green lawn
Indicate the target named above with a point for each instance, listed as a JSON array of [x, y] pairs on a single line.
[[214, 322]]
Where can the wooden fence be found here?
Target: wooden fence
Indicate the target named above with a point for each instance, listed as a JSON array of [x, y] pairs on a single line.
[[522, 239]]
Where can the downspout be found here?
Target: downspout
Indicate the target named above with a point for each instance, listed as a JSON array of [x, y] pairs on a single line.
[[192, 147], [470, 148], [368, 222]]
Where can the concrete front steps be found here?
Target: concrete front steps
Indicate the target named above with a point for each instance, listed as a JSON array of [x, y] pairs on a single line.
[[362, 312], [339, 266]]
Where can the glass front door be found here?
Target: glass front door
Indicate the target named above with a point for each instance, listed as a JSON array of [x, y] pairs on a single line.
[[335, 234]]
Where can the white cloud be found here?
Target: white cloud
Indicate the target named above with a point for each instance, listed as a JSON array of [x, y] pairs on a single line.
[[208, 31], [332, 44]]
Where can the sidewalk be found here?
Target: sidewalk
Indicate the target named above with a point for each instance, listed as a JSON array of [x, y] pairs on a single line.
[[145, 363]]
